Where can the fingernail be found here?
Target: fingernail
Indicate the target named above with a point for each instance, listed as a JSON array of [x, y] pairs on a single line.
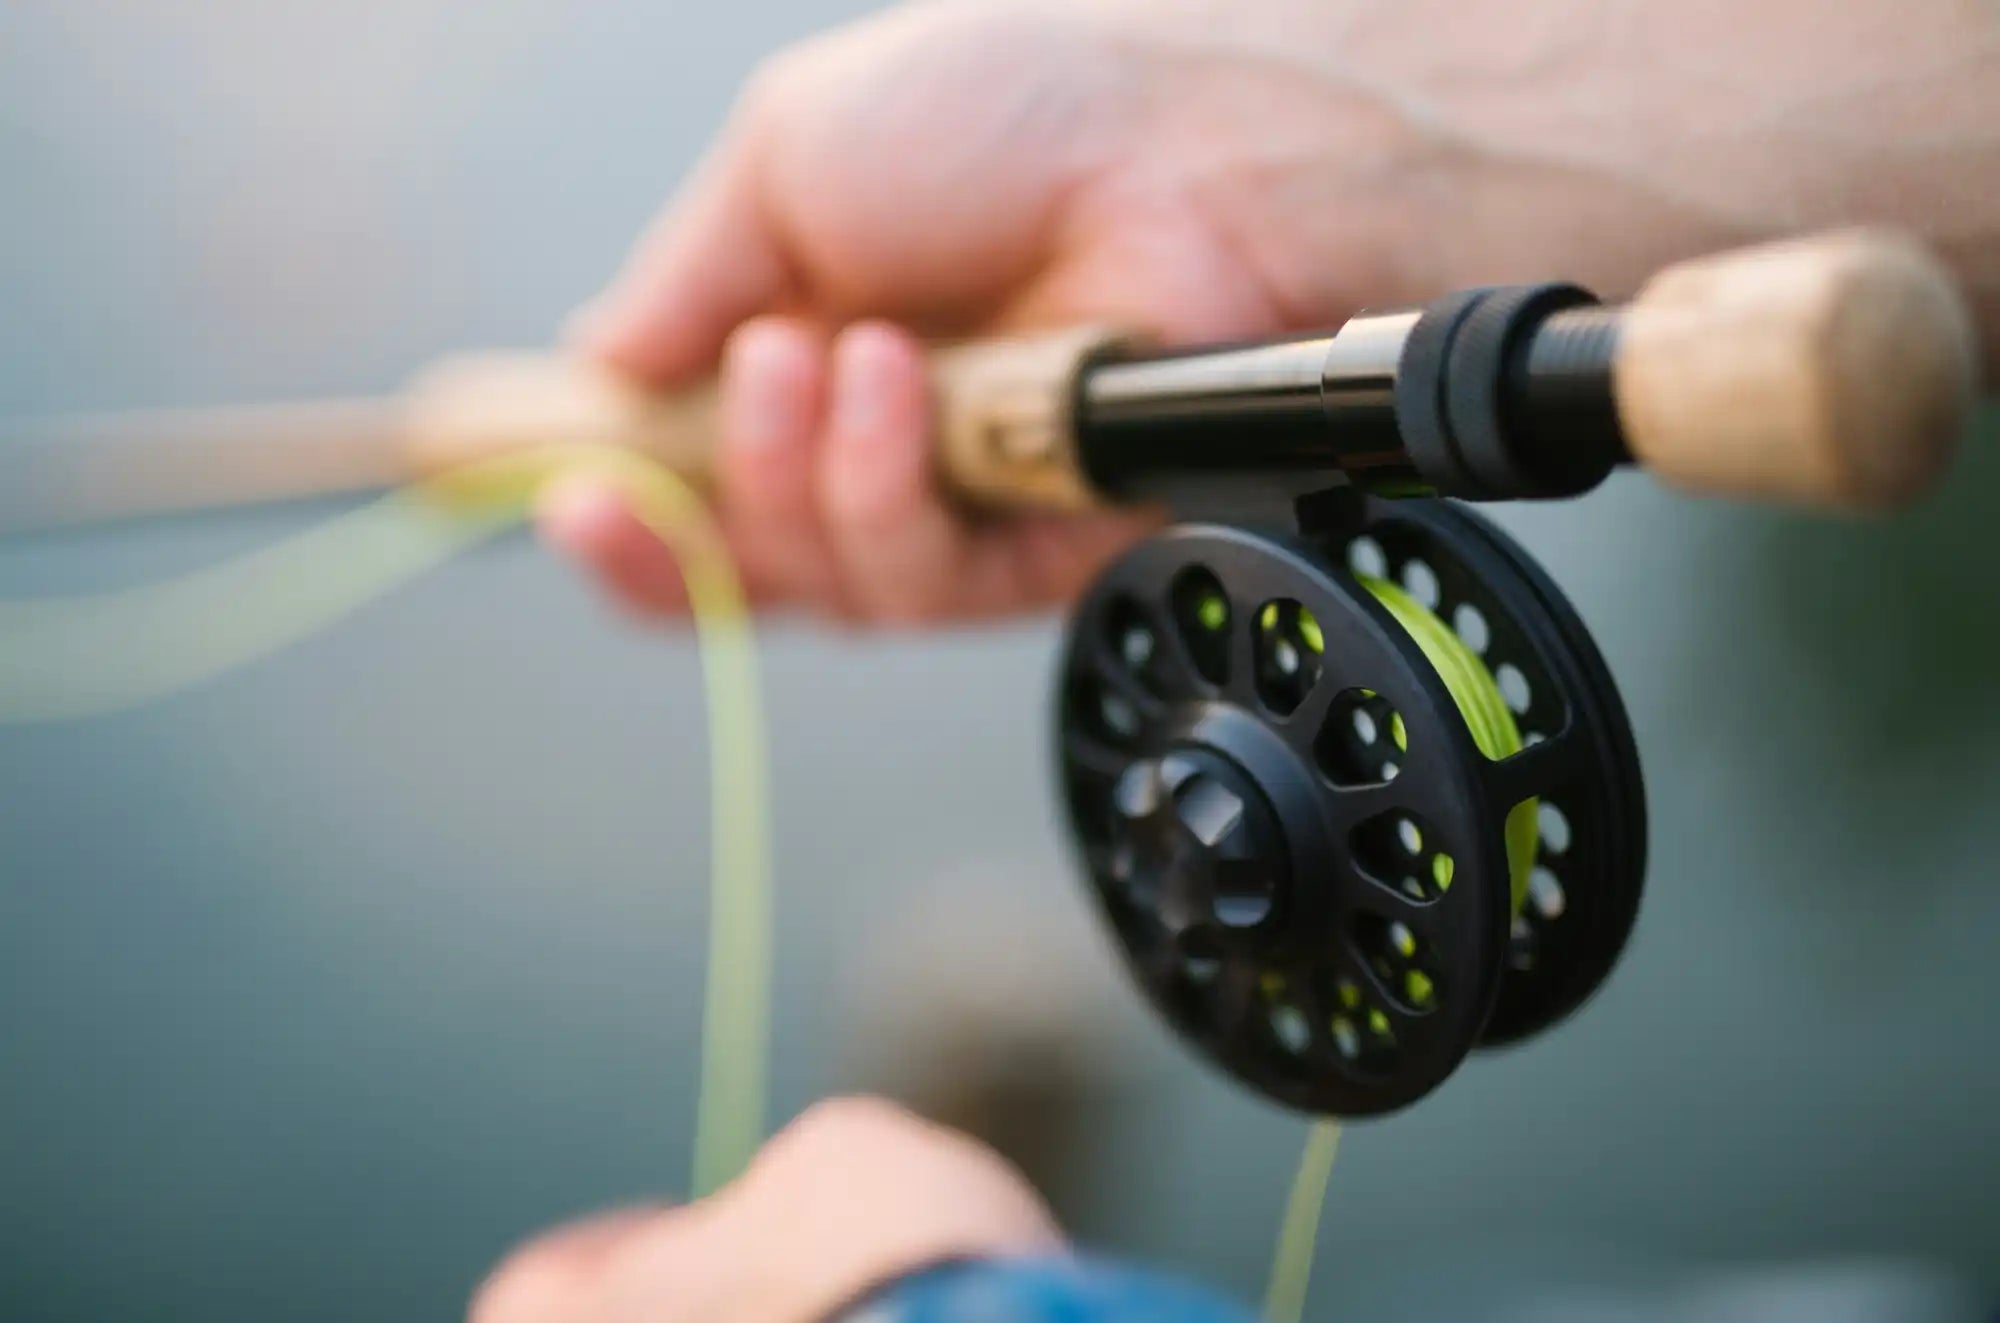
[[770, 413]]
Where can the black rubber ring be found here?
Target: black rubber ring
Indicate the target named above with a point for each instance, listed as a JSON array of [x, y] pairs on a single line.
[[1475, 383], [1420, 392]]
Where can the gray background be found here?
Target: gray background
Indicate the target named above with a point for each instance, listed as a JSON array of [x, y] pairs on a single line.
[[321, 986]]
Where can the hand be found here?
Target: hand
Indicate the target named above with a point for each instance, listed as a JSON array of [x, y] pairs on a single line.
[[852, 1195], [1206, 169], [958, 168]]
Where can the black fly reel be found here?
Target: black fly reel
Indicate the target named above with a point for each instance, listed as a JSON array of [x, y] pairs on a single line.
[[1353, 804]]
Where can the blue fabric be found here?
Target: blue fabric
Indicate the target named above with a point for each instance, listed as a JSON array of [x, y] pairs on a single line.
[[1063, 1290]]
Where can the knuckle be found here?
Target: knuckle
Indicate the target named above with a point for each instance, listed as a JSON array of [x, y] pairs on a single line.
[[737, 348], [772, 81], [836, 1123], [757, 330], [534, 1284], [765, 82]]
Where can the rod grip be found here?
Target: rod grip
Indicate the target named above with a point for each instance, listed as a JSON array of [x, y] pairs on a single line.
[[1836, 371], [1833, 371], [1005, 415]]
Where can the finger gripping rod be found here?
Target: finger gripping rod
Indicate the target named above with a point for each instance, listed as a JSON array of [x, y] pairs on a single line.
[[1836, 371]]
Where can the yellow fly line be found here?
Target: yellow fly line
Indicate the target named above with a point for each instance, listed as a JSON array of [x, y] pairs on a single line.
[[1494, 730], [73, 658]]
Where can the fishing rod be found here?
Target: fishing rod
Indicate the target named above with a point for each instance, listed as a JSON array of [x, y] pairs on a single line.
[[1350, 782]]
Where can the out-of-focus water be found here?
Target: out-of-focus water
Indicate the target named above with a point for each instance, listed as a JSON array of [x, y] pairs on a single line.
[[321, 986]]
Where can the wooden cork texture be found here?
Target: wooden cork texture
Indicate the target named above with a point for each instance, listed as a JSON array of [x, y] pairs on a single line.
[[1004, 416], [1006, 419], [1836, 371]]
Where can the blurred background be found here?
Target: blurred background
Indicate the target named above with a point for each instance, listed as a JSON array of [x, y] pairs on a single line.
[[321, 986]]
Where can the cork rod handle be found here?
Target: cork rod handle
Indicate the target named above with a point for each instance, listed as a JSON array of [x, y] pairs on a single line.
[[1835, 371]]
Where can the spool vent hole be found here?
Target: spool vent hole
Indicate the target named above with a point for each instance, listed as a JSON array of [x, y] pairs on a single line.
[[1469, 623], [1120, 718], [1398, 850], [1363, 741], [1366, 558], [1102, 712], [1134, 642], [1421, 582], [1553, 828], [1288, 654], [1402, 961], [1521, 950], [1291, 1028], [1545, 893], [1202, 614]]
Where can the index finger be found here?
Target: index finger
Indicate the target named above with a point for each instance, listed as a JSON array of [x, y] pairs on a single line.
[[710, 262]]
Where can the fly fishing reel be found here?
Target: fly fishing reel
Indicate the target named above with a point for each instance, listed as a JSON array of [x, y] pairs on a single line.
[[1354, 801], [1359, 798]]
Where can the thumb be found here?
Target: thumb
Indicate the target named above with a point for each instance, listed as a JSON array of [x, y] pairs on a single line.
[[710, 262]]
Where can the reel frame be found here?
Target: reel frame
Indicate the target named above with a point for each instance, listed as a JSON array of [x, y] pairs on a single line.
[[1286, 821]]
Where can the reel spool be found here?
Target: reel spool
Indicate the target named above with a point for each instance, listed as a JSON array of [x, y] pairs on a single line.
[[1354, 802]]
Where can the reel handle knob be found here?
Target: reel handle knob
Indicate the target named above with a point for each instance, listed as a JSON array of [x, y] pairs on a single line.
[[1833, 371]]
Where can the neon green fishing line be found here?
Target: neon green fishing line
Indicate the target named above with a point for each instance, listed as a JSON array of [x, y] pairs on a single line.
[[73, 658], [1298, 1234], [1479, 701], [1495, 732]]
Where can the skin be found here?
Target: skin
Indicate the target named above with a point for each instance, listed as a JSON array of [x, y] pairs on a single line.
[[1209, 170], [850, 1196]]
